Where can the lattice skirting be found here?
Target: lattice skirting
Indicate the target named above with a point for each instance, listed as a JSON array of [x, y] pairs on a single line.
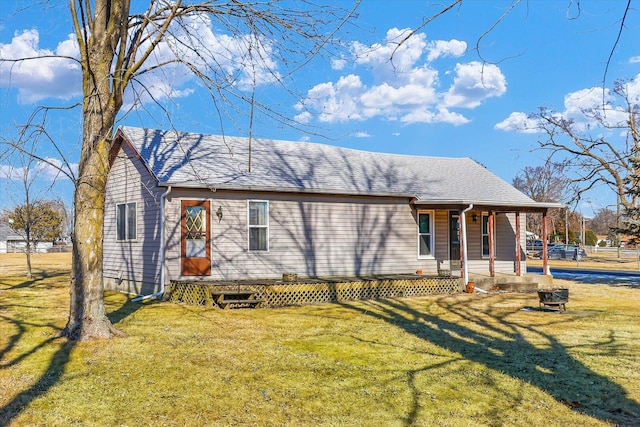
[[280, 294]]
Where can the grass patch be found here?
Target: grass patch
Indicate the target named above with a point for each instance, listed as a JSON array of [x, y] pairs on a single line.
[[465, 359]]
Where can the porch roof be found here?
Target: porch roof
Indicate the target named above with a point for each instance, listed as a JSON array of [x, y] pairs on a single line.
[[221, 162]]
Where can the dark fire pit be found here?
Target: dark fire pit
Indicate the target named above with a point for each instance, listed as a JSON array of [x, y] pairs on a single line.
[[556, 296]]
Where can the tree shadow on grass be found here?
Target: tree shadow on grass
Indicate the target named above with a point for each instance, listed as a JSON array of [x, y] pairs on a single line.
[[489, 339], [125, 310], [56, 368], [45, 279], [48, 379]]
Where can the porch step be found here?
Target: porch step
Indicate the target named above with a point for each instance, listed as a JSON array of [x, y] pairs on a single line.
[[518, 286], [240, 303], [235, 299]]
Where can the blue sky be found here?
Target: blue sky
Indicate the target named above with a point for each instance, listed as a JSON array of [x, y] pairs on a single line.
[[436, 99]]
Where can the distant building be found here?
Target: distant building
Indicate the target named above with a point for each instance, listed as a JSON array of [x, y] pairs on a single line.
[[12, 242]]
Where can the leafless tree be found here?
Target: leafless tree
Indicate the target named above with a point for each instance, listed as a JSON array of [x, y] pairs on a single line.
[[547, 183], [592, 148], [33, 218], [119, 45], [629, 224], [604, 221]]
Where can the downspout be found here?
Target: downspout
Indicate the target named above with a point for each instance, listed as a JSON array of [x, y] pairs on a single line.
[[162, 252]]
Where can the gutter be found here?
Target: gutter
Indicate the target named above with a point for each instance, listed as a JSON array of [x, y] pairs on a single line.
[[162, 253]]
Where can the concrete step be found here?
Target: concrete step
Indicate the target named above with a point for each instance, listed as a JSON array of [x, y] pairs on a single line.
[[518, 287]]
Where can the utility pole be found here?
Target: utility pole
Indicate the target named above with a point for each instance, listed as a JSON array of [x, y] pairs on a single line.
[[566, 226], [618, 225]]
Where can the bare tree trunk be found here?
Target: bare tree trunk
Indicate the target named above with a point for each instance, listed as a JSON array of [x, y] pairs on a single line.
[[29, 271], [87, 314], [114, 49]]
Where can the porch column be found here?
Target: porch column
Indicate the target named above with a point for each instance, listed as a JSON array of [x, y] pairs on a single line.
[[492, 250], [518, 247], [463, 246], [545, 257]]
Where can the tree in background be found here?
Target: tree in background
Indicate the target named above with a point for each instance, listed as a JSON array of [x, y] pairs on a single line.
[[37, 222], [546, 183], [34, 218], [630, 221], [590, 238], [605, 223], [591, 146]]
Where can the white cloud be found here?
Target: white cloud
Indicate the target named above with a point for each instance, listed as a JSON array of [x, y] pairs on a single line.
[[11, 173], [362, 134], [441, 115], [339, 101], [518, 122], [633, 89], [42, 76], [389, 57], [338, 63], [634, 60], [239, 60], [48, 170], [438, 48], [304, 117], [581, 107], [475, 82], [404, 84]]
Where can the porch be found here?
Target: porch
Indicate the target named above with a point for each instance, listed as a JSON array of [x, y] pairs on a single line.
[[308, 291], [271, 293]]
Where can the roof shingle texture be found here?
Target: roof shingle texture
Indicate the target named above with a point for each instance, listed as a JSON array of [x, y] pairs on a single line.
[[213, 161]]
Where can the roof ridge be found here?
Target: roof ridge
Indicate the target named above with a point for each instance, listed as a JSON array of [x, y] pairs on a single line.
[[219, 161], [309, 143]]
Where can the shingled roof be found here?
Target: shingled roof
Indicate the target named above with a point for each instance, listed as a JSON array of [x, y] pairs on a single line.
[[222, 162]]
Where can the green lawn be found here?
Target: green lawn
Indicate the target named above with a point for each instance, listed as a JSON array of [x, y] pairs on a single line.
[[453, 360]]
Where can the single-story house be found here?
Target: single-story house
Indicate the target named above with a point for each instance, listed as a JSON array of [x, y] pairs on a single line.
[[185, 206], [12, 242]]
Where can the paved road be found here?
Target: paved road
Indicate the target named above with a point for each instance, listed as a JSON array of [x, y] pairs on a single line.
[[582, 275]]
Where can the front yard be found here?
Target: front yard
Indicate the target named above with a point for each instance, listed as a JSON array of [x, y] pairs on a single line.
[[464, 359]]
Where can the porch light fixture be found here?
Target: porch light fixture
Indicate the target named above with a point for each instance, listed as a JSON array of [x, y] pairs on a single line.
[[474, 218], [219, 214]]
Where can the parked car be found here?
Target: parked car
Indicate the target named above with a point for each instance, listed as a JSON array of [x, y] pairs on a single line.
[[566, 252], [534, 248], [534, 245]]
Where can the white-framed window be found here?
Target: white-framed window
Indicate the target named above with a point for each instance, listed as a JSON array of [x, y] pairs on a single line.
[[425, 234], [485, 235], [258, 220], [126, 221]]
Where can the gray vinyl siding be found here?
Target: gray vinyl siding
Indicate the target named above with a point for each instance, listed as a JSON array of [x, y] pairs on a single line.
[[308, 235], [132, 266], [326, 236]]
